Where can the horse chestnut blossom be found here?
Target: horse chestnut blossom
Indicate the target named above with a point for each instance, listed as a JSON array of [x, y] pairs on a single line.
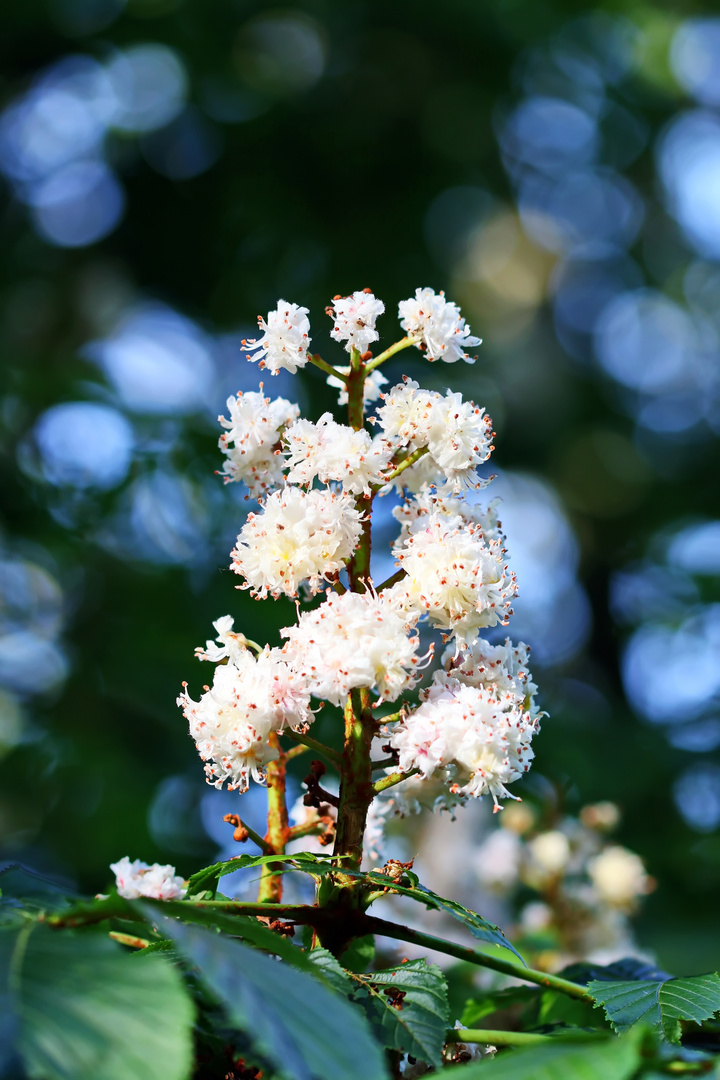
[[251, 440], [481, 742], [251, 698], [334, 452], [437, 326], [136, 879], [317, 481], [457, 434], [456, 576], [354, 317], [285, 340], [356, 640], [299, 538]]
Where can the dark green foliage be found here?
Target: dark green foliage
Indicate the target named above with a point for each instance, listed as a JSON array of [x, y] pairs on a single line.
[[76, 1008], [408, 1005], [291, 1018], [659, 1004], [608, 1059]]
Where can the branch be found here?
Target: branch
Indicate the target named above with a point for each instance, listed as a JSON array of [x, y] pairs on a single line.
[[312, 744], [392, 580], [404, 343], [243, 832], [406, 463], [475, 956], [392, 780], [327, 368]]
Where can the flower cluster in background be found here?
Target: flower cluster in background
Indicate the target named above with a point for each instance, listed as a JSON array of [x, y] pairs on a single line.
[[573, 889]]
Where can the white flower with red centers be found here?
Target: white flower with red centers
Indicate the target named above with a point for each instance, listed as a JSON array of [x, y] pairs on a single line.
[[252, 438], [250, 698], [406, 414], [456, 575], [137, 878], [413, 513], [459, 439], [354, 319], [285, 340], [438, 326], [502, 669], [357, 640], [335, 452], [299, 538], [466, 731]]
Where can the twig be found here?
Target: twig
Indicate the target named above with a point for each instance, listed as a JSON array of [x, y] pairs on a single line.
[[404, 343], [475, 956], [392, 580], [327, 368], [392, 779], [313, 744]]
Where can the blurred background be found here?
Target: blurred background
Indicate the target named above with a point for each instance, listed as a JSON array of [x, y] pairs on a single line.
[[168, 169]]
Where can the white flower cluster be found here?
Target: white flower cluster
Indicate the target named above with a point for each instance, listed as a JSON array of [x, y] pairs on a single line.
[[438, 325], [300, 537], [316, 481], [354, 319], [285, 340], [334, 452], [251, 698], [356, 640], [456, 576], [433, 322], [251, 441], [457, 434], [471, 735], [136, 879]]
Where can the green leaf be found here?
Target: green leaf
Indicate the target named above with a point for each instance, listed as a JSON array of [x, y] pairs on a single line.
[[359, 954], [409, 1004], [206, 881], [331, 970], [478, 926], [604, 1059], [292, 1019], [242, 926], [658, 1003], [86, 1011], [630, 968], [557, 1008], [499, 1001]]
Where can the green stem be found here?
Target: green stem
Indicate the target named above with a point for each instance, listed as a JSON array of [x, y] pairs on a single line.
[[392, 580], [404, 343], [271, 881], [475, 956], [386, 763], [356, 789], [313, 744], [497, 1038], [391, 718], [312, 828], [392, 780], [256, 838], [407, 462], [327, 368]]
